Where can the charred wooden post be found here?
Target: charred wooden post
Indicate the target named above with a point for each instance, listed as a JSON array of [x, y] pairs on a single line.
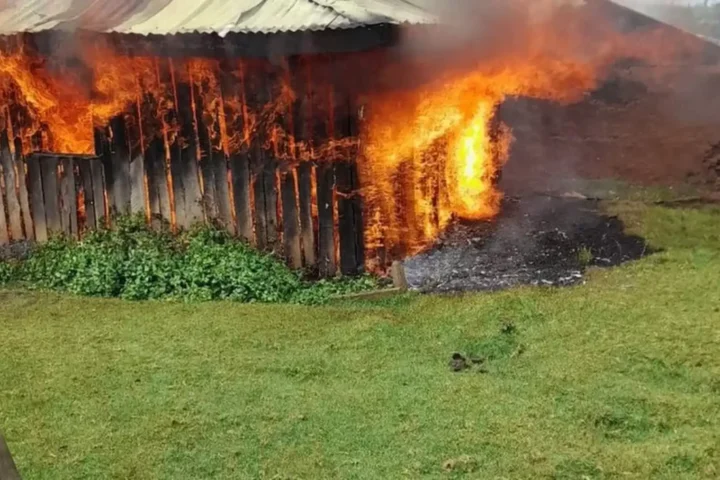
[[262, 163], [51, 194], [102, 150], [136, 168], [4, 236], [120, 165], [291, 230], [158, 121], [327, 264], [205, 152], [349, 204], [351, 254], [184, 155], [288, 181], [307, 229], [222, 190], [302, 129], [240, 170], [37, 201], [325, 184], [235, 115], [84, 166], [258, 186], [158, 195], [213, 162], [12, 202], [98, 180], [270, 174], [177, 173], [21, 164], [17, 126], [68, 197]]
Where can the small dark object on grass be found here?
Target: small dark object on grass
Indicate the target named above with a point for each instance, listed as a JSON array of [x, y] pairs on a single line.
[[458, 363], [518, 351], [508, 328], [477, 360]]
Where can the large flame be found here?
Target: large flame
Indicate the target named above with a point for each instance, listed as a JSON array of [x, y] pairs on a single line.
[[431, 144]]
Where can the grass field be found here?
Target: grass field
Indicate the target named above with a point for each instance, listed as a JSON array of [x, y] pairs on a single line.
[[618, 378]]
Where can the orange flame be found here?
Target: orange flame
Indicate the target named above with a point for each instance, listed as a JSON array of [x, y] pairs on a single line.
[[427, 152]]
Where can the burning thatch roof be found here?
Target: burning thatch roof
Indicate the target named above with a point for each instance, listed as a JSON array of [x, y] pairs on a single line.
[[163, 17]]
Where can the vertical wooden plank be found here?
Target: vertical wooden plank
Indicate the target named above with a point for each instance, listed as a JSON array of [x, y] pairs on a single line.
[[37, 203], [262, 167], [240, 168], [51, 195], [290, 220], [210, 196], [356, 200], [98, 182], [102, 150], [136, 149], [205, 151], [260, 219], [4, 235], [349, 208], [213, 159], [189, 157], [236, 125], [137, 183], [12, 202], [301, 82], [166, 134], [351, 250], [19, 121], [271, 205], [68, 197], [86, 180], [307, 232], [21, 165], [159, 196], [327, 264], [222, 191], [120, 164], [270, 79], [178, 177]]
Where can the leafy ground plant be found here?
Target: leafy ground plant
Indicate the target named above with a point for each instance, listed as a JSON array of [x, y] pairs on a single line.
[[135, 262]]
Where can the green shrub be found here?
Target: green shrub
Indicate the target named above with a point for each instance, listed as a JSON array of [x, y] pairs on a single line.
[[7, 272], [135, 262]]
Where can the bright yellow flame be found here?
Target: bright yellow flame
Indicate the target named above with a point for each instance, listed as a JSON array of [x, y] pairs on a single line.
[[472, 167]]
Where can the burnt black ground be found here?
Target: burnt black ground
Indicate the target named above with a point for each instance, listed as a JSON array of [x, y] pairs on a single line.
[[536, 240]]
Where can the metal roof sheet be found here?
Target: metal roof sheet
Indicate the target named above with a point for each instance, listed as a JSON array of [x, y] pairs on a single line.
[[165, 17]]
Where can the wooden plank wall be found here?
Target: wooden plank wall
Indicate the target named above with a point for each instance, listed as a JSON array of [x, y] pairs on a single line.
[[306, 210]]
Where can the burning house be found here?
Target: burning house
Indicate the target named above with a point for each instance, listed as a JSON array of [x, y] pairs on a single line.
[[341, 134]]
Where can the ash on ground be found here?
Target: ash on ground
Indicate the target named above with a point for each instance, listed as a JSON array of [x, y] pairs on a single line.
[[538, 240]]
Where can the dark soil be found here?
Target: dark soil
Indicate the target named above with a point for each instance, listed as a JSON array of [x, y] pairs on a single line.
[[534, 241]]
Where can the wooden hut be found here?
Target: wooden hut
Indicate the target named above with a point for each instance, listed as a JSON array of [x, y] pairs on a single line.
[[224, 111]]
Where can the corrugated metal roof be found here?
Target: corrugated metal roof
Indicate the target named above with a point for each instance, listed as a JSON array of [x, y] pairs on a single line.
[[206, 16]]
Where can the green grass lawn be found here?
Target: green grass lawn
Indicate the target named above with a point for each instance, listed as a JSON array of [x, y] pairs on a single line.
[[618, 378]]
